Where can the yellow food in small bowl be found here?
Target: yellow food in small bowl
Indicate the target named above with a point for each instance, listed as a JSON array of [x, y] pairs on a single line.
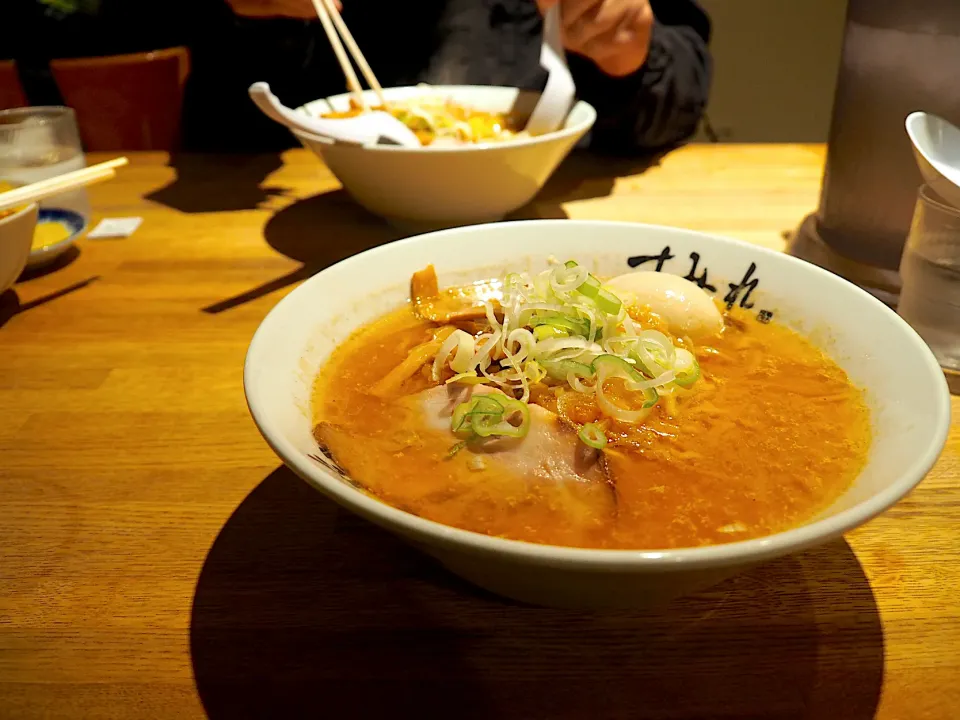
[[49, 233]]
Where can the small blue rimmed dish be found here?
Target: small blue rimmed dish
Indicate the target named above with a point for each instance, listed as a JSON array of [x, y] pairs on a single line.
[[75, 225]]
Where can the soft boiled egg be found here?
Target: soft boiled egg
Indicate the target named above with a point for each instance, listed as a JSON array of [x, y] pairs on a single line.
[[682, 304]]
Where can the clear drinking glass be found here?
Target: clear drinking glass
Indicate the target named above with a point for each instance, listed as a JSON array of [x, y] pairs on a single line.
[[40, 142], [930, 272]]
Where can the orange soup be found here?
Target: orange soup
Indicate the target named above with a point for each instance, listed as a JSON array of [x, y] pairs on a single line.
[[625, 436], [436, 121]]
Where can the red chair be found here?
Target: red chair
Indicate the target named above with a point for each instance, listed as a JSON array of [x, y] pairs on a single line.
[[11, 92], [126, 102]]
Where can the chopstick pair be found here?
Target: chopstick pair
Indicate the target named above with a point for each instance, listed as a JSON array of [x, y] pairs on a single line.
[[61, 183], [334, 24]]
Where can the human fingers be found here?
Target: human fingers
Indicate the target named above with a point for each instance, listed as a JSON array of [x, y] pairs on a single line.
[[596, 20]]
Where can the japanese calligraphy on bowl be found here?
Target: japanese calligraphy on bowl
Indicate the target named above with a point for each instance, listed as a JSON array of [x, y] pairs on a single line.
[[737, 293]]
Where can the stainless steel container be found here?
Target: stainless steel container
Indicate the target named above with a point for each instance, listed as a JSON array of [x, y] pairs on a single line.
[[898, 57]]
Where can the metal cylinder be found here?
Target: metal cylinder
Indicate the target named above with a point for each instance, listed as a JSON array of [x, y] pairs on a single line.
[[898, 57]]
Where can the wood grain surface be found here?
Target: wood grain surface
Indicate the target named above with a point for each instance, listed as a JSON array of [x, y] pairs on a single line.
[[157, 561]]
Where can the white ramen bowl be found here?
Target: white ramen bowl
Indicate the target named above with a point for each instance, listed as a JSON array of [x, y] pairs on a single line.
[[441, 186], [904, 386], [16, 235]]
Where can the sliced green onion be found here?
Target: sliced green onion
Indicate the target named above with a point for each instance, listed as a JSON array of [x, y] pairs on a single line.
[[686, 367], [611, 409], [544, 332], [562, 324], [560, 369], [567, 278], [567, 323], [605, 300], [608, 302], [590, 286], [466, 414], [611, 366], [654, 352], [504, 428], [592, 435], [467, 378], [490, 415], [465, 347], [455, 448], [534, 371], [652, 397]]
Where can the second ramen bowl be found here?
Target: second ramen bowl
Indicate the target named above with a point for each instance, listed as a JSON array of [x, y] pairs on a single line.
[[428, 188]]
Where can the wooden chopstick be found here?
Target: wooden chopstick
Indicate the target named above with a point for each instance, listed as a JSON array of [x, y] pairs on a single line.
[[58, 179], [61, 183], [354, 49], [36, 195], [353, 82]]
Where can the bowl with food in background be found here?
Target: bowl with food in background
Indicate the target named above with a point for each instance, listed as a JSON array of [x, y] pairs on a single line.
[[476, 164], [16, 235], [593, 414]]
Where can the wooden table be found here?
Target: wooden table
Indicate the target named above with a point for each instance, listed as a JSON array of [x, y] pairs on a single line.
[[157, 561]]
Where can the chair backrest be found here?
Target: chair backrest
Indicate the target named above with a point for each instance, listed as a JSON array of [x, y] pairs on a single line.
[[126, 102], [11, 92]]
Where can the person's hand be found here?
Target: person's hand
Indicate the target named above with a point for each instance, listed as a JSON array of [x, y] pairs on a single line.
[[302, 9], [615, 34]]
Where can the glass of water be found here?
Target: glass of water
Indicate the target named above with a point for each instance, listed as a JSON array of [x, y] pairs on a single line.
[[930, 273], [40, 142]]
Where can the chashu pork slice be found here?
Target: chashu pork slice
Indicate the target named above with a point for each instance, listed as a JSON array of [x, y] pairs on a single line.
[[550, 451]]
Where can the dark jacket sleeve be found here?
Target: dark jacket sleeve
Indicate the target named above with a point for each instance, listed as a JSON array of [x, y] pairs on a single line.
[[660, 104]]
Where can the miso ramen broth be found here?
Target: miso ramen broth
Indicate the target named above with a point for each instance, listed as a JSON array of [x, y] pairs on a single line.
[[440, 122], [591, 421]]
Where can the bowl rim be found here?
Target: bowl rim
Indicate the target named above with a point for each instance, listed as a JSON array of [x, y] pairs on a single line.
[[593, 559], [578, 129], [25, 210]]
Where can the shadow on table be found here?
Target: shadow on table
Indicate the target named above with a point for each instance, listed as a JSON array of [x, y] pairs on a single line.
[[218, 183], [317, 232], [68, 257], [581, 176], [10, 304], [324, 229], [303, 610]]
